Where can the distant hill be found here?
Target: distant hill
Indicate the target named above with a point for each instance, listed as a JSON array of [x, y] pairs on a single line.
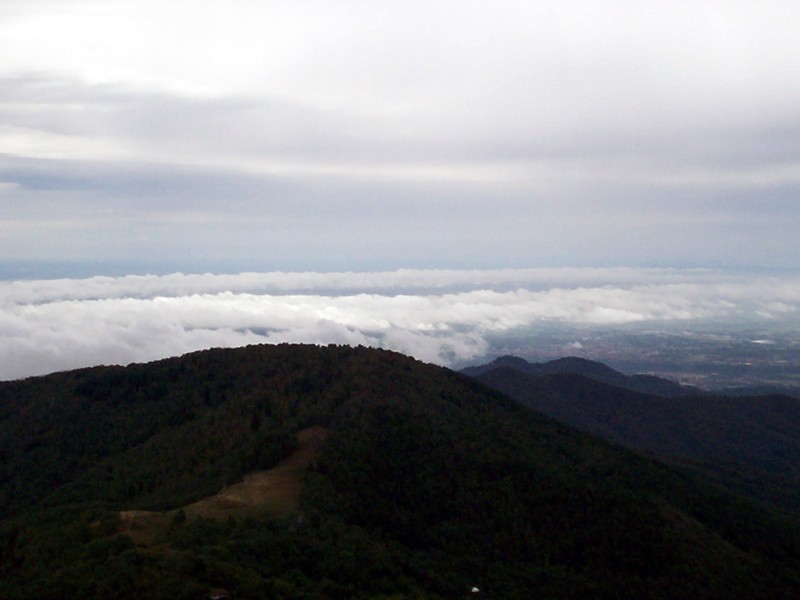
[[394, 479], [750, 444], [648, 384]]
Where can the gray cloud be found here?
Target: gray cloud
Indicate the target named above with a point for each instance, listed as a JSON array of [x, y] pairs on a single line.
[[323, 135], [490, 141]]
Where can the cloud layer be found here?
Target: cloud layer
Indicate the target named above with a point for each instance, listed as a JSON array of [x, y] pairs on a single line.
[[446, 317]]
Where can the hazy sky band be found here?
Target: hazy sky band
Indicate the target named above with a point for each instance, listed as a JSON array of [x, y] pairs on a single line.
[[60, 324], [336, 136]]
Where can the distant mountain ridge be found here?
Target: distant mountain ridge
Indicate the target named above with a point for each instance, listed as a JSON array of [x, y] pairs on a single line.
[[647, 384]]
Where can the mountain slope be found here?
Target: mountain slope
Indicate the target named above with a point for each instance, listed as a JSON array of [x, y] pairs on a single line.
[[751, 444], [429, 483]]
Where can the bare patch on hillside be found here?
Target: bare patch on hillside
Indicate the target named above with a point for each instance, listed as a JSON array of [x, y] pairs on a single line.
[[276, 491]]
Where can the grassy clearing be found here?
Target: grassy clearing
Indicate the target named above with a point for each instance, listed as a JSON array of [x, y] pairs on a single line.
[[276, 491]]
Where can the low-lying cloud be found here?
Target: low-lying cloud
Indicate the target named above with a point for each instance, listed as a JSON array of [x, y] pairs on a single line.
[[441, 316]]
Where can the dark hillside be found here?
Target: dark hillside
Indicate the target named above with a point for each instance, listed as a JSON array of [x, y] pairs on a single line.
[[751, 444], [428, 483]]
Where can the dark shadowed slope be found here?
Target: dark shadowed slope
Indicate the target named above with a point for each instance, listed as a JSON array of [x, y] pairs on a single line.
[[751, 444], [429, 483]]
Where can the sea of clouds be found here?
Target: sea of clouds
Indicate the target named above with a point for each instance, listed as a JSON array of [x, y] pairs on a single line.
[[442, 316]]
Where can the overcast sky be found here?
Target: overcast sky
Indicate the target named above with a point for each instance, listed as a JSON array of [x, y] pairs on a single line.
[[310, 135]]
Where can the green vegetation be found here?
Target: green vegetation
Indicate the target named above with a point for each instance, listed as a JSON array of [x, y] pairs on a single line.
[[428, 484]]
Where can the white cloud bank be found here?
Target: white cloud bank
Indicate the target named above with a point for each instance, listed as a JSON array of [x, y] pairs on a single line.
[[439, 316]]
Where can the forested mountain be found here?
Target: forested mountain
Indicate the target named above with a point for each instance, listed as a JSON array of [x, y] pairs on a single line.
[[415, 481], [648, 384], [749, 444]]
